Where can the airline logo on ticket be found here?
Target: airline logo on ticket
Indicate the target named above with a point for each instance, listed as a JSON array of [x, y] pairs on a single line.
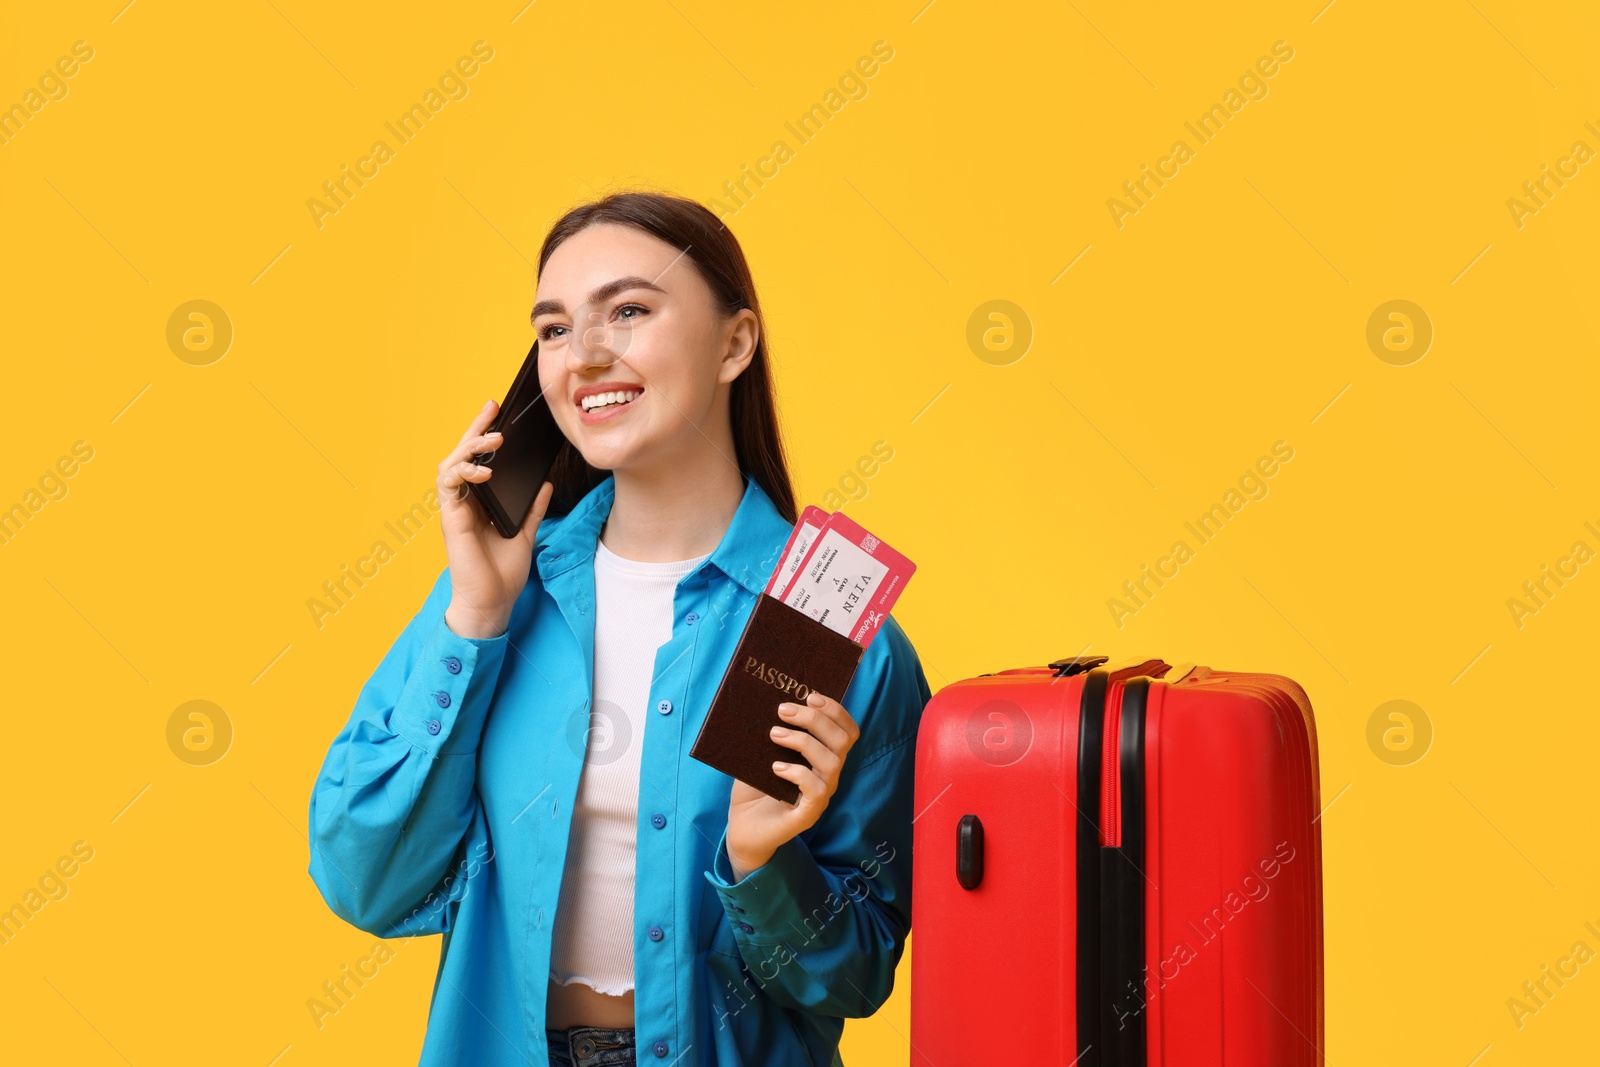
[[848, 579]]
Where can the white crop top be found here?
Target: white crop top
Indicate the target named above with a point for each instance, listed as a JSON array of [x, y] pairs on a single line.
[[592, 939]]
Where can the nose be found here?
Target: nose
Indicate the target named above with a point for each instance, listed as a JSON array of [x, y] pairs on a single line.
[[594, 342]]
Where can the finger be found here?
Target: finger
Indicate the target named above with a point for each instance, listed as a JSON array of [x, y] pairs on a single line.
[[464, 471], [536, 510], [826, 728], [823, 760], [485, 442], [835, 712], [473, 447], [812, 787], [480, 422]]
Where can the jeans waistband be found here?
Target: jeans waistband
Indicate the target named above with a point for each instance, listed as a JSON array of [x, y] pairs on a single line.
[[595, 1046]]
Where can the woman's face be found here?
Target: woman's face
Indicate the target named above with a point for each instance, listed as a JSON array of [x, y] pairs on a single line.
[[619, 310]]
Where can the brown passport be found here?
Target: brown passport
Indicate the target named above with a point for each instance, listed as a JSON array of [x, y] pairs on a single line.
[[783, 654]]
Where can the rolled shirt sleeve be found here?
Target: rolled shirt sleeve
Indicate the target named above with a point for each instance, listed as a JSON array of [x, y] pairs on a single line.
[[823, 923], [445, 698], [394, 807]]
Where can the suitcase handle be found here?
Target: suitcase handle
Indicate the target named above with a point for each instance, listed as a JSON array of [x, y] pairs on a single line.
[[969, 851], [1066, 668], [1155, 668]]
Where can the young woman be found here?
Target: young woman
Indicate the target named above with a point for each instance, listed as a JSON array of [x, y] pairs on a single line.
[[516, 773]]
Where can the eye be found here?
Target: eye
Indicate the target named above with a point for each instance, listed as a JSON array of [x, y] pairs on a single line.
[[639, 307], [544, 334]]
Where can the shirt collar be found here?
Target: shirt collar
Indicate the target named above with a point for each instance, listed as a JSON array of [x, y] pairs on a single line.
[[747, 553]]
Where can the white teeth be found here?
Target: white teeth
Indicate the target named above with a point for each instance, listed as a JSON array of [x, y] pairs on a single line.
[[600, 400]]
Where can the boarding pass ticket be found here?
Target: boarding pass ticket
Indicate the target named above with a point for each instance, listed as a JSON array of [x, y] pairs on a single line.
[[838, 573]]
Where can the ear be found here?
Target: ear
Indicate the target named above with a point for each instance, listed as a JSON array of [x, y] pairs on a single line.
[[742, 332]]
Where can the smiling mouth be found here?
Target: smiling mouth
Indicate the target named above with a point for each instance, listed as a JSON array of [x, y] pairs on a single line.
[[607, 401]]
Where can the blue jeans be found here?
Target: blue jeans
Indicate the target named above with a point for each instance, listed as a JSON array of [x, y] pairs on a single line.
[[591, 1046]]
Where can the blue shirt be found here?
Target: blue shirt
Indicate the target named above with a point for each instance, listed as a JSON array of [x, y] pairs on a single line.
[[443, 807]]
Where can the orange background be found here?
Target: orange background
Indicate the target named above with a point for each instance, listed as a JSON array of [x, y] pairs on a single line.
[[1039, 460]]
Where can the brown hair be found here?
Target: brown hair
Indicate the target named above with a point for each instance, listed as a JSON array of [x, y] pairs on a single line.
[[715, 252]]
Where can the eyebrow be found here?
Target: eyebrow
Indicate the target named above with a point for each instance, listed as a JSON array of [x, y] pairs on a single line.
[[606, 291]]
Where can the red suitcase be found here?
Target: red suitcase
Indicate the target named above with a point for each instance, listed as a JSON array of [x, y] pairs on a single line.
[[1117, 866]]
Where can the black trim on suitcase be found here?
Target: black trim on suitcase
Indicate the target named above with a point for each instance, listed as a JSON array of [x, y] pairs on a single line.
[[1111, 899], [1091, 721], [1121, 985]]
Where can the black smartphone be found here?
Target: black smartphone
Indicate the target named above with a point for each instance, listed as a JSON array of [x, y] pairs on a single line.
[[527, 450]]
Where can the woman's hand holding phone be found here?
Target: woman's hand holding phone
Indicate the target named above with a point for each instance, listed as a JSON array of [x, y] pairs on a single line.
[[487, 571]]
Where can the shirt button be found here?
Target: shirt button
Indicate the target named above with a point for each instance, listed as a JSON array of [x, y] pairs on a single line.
[[691, 618], [452, 665], [655, 933], [661, 1048], [665, 707], [658, 820], [442, 699], [747, 928], [433, 726]]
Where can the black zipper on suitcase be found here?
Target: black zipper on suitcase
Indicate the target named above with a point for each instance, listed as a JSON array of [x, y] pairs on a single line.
[[1111, 899], [1091, 720], [1122, 988]]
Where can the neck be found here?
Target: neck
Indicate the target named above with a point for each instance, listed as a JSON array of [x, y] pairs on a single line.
[[674, 512]]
